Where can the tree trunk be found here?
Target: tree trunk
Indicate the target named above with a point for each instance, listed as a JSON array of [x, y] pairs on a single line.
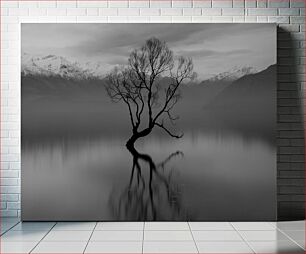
[[136, 135]]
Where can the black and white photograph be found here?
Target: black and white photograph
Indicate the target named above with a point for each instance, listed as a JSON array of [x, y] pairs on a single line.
[[148, 122]]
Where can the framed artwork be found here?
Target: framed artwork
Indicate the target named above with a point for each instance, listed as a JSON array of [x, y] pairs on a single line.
[[148, 122]]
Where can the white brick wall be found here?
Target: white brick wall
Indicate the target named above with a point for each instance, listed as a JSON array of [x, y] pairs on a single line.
[[289, 13]]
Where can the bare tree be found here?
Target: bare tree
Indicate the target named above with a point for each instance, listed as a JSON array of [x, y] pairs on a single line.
[[139, 86]]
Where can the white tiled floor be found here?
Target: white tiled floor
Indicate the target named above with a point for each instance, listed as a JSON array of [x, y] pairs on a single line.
[[60, 247], [100, 236], [79, 226], [169, 247], [221, 236], [117, 247], [67, 236], [164, 235], [152, 237], [223, 247]]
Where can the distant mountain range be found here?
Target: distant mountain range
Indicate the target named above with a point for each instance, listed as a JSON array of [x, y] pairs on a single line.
[[232, 74], [249, 90], [52, 65], [58, 66], [247, 105]]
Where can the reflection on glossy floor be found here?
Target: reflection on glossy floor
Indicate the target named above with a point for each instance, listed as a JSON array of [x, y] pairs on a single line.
[[152, 237]]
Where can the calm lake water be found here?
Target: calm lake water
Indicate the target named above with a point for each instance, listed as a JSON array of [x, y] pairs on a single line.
[[202, 176]]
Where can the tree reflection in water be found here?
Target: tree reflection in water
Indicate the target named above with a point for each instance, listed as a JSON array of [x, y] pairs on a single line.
[[151, 193]]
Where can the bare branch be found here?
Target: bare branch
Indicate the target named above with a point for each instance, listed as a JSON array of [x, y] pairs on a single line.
[[165, 129], [169, 158], [151, 70]]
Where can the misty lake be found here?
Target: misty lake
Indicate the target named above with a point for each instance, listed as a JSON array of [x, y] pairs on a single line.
[[75, 165], [197, 177]]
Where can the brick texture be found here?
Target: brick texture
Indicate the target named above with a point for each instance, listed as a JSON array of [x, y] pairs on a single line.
[[289, 14]]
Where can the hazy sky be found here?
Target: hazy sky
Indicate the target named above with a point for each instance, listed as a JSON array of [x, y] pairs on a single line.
[[214, 47]]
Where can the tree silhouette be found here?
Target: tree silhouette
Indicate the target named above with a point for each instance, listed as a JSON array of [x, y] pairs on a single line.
[[140, 85]]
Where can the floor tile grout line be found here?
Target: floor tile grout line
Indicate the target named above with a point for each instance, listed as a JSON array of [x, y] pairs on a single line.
[[158, 240], [245, 241], [159, 230], [14, 225], [42, 238], [193, 238], [290, 238], [125, 230], [273, 225], [143, 232], [233, 227], [294, 230], [253, 230], [303, 230], [93, 230], [170, 240]]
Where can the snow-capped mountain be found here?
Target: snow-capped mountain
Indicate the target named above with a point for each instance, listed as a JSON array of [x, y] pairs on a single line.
[[52, 65], [233, 74]]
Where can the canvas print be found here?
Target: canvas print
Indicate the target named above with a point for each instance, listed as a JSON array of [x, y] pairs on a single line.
[[148, 122]]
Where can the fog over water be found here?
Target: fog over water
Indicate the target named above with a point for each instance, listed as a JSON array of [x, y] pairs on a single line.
[[213, 173], [74, 157]]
